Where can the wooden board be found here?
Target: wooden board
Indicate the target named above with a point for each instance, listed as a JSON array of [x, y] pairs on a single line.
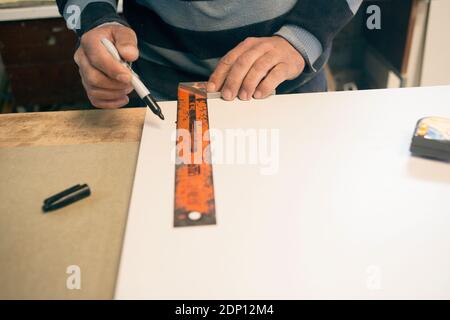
[[36, 249], [71, 127], [40, 154]]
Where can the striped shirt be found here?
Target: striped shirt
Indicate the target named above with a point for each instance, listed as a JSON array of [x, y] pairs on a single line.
[[183, 40]]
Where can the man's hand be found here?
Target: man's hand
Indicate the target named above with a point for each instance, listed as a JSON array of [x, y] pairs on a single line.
[[106, 81], [255, 68]]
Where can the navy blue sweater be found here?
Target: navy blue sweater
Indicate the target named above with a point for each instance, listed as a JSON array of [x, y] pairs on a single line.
[[183, 40]]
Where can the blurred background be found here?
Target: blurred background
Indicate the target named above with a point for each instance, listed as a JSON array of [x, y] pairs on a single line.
[[389, 44]]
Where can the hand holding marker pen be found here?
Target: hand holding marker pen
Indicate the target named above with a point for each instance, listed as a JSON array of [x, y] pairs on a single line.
[[137, 84]]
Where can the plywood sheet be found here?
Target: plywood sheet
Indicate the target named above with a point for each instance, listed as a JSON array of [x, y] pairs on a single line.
[[37, 248]]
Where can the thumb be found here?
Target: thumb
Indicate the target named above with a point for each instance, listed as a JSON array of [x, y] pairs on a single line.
[[126, 43]]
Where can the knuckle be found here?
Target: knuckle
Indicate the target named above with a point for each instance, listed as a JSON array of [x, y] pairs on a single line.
[[129, 90], [92, 95], [264, 90], [266, 86], [117, 95], [266, 46], [102, 105], [279, 73], [76, 57], [86, 87], [300, 66], [250, 40], [232, 83], [288, 70], [243, 61], [95, 93], [128, 32], [95, 59], [250, 82], [247, 86], [262, 66], [85, 40], [293, 70], [226, 60], [122, 103], [214, 76], [91, 79], [96, 103]]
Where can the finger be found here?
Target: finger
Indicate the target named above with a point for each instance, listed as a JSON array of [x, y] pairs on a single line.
[[275, 77], [108, 104], [259, 70], [94, 78], [103, 61], [239, 70], [105, 94], [217, 78], [126, 43], [77, 56]]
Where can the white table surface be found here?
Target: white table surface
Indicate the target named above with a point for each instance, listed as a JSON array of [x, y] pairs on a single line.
[[350, 213]]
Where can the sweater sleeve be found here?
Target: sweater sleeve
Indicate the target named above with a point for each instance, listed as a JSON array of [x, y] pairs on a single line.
[[312, 25], [84, 15]]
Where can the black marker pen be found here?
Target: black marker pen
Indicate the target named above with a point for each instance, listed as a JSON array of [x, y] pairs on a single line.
[[137, 84]]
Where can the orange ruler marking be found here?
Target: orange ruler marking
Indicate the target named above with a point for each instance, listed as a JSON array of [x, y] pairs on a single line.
[[194, 188]]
